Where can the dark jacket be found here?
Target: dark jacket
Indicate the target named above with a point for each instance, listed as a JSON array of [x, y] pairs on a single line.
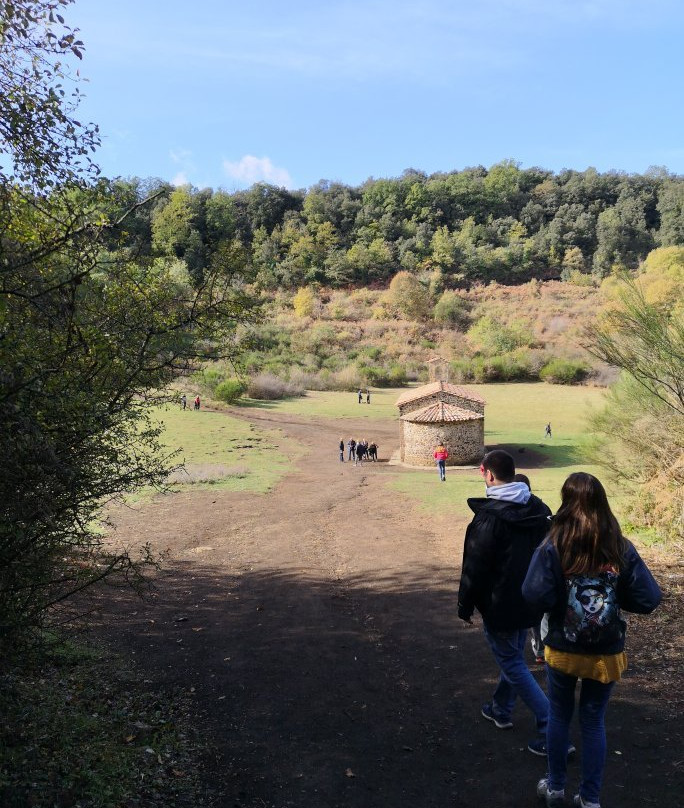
[[499, 544], [545, 588]]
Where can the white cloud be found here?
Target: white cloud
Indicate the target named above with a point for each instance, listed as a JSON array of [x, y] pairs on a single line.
[[250, 169], [180, 179], [180, 156]]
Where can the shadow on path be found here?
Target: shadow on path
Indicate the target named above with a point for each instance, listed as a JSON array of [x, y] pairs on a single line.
[[358, 692]]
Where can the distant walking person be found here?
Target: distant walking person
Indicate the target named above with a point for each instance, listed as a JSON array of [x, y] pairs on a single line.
[[341, 450], [547, 431], [184, 401], [360, 396], [367, 396], [582, 575], [373, 451], [351, 445], [197, 402], [440, 454]]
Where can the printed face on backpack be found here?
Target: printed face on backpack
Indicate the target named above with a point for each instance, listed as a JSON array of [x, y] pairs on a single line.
[[592, 613], [592, 600]]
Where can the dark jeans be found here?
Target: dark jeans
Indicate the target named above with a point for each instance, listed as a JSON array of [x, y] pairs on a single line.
[[593, 702], [441, 465], [516, 678]]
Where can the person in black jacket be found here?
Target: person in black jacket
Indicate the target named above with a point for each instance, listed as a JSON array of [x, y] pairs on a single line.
[[582, 576], [509, 524]]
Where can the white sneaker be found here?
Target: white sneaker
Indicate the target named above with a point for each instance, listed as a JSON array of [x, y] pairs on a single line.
[[578, 802], [553, 799]]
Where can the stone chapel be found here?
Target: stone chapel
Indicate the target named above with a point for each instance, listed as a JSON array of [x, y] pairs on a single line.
[[440, 412]]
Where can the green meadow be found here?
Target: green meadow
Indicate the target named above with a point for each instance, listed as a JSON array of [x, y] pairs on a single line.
[[329, 404], [515, 417], [219, 451]]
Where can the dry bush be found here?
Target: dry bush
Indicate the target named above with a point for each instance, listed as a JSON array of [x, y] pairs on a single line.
[[603, 375], [346, 379], [305, 380], [557, 325], [268, 387]]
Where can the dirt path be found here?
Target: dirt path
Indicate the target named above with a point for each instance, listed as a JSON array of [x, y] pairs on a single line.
[[316, 628]]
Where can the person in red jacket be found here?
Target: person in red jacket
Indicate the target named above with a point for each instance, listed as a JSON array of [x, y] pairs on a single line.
[[440, 455]]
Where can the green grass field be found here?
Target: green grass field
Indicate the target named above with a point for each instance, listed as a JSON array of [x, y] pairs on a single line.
[[515, 417], [219, 451], [326, 404], [222, 451]]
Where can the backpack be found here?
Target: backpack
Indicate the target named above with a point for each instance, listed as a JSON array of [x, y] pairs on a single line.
[[592, 615]]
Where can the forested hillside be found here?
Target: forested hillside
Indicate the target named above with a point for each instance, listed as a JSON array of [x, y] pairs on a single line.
[[504, 223]]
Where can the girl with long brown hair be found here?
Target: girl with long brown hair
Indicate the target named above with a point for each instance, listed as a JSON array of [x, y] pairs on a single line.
[[583, 574]]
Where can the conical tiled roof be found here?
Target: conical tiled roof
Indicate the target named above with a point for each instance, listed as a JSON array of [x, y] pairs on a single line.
[[441, 413]]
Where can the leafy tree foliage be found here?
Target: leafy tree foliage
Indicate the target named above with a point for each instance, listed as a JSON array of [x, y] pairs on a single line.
[[493, 337], [478, 225], [304, 302], [671, 212], [451, 309], [642, 333], [409, 296], [92, 326], [44, 143]]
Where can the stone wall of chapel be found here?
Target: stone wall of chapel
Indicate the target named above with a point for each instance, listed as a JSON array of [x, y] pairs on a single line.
[[464, 441]]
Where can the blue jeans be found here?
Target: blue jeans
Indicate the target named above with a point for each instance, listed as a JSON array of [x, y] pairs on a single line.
[[593, 702], [441, 465], [516, 679]]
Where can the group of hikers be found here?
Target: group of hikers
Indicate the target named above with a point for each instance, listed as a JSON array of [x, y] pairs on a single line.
[[359, 450], [184, 402], [578, 571]]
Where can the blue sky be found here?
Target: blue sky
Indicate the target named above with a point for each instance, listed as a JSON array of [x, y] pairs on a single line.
[[220, 93]]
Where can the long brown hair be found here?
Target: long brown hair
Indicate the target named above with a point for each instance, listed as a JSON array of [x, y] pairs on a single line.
[[586, 534]]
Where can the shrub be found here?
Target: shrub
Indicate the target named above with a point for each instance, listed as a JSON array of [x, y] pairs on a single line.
[[301, 378], [373, 352], [451, 309], [304, 302], [563, 371], [378, 376], [578, 278], [346, 379], [208, 379], [505, 368], [230, 390], [409, 296], [494, 337], [268, 387]]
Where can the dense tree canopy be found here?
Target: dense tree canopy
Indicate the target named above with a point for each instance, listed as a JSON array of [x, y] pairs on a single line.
[[504, 223]]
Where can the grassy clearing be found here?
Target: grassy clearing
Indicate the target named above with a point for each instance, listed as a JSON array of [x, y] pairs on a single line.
[[244, 457], [221, 452], [516, 415], [330, 404], [526, 408]]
